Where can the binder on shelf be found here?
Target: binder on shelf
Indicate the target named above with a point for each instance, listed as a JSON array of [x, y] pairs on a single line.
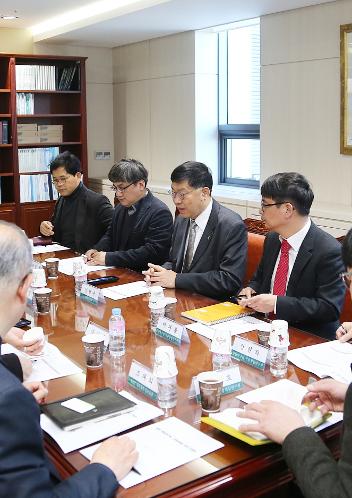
[[217, 313]]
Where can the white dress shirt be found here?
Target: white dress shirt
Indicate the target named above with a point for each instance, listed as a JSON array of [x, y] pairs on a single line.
[[201, 221], [295, 242]]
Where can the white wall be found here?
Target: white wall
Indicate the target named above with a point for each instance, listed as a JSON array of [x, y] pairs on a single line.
[[154, 103], [100, 135], [300, 99]]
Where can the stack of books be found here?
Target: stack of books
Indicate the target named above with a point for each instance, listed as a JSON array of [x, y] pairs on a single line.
[[35, 77], [33, 133], [36, 159]]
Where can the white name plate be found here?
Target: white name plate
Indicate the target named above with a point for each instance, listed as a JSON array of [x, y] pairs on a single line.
[[249, 352], [142, 378], [171, 331], [92, 294]]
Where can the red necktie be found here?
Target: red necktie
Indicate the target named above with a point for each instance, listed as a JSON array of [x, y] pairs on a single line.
[[280, 281]]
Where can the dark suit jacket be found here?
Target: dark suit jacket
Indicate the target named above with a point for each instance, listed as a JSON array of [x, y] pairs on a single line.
[[12, 363], [25, 471], [317, 473], [315, 293], [94, 213], [219, 262], [146, 241]]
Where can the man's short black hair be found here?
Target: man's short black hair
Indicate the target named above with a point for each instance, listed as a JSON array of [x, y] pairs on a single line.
[[290, 187], [128, 171], [197, 175], [347, 249], [69, 161]]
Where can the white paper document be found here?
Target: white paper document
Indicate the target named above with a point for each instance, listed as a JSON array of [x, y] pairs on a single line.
[[66, 266], [328, 359], [92, 431], [49, 248], [163, 446], [236, 326], [52, 364], [126, 290], [285, 391]]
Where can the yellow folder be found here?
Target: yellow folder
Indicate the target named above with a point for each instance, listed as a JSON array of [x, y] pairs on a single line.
[[217, 313]]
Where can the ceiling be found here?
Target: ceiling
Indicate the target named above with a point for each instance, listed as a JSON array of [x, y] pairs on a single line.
[[128, 21]]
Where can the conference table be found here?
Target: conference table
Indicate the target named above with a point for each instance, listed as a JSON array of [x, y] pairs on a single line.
[[237, 469]]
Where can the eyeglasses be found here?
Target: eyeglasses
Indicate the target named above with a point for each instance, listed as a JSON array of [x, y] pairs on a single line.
[[120, 190], [347, 278], [180, 195], [61, 179], [264, 205]]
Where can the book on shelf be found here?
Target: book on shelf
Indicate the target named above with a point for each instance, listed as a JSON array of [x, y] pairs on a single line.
[[25, 103], [217, 313], [36, 158], [34, 188], [35, 77], [4, 132]]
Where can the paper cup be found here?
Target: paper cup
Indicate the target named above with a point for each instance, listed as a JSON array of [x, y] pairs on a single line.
[[38, 279], [42, 299], [210, 386], [94, 350], [52, 267], [34, 334], [279, 334], [164, 362]]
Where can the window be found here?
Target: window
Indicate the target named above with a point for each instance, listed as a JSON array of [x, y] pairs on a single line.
[[239, 104]]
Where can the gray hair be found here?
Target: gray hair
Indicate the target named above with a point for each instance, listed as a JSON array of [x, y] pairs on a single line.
[[15, 254], [129, 171]]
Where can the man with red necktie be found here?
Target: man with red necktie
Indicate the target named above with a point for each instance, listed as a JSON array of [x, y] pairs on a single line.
[[298, 276]]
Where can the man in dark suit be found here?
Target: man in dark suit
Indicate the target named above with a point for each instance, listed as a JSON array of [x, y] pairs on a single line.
[[316, 471], [81, 216], [298, 276], [141, 227], [209, 242], [24, 468]]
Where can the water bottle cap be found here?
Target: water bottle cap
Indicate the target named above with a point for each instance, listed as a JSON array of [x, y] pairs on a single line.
[[116, 311]]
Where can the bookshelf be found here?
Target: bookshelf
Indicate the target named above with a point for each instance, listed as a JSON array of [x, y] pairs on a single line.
[[42, 113]]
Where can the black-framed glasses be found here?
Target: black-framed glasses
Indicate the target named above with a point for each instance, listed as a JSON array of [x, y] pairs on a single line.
[[347, 278], [61, 179], [120, 190], [264, 205], [180, 195]]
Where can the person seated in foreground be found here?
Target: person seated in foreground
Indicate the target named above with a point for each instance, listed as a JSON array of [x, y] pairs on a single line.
[[20, 366], [25, 469], [209, 242], [315, 469], [81, 216], [297, 279], [141, 227]]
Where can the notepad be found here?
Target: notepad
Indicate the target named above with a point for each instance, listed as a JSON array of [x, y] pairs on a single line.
[[217, 313], [227, 421], [69, 413]]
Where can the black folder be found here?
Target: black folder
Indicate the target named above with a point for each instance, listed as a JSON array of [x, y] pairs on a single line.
[[107, 403]]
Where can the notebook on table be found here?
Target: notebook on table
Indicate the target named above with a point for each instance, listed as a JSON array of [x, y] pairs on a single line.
[[217, 313], [227, 421], [71, 413]]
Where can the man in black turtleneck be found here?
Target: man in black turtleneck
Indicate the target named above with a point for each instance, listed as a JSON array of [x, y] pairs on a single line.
[[81, 216], [141, 227]]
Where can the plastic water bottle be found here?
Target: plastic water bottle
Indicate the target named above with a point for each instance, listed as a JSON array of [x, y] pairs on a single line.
[[117, 333], [80, 275]]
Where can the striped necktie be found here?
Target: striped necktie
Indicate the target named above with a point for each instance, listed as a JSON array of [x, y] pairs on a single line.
[[190, 246]]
